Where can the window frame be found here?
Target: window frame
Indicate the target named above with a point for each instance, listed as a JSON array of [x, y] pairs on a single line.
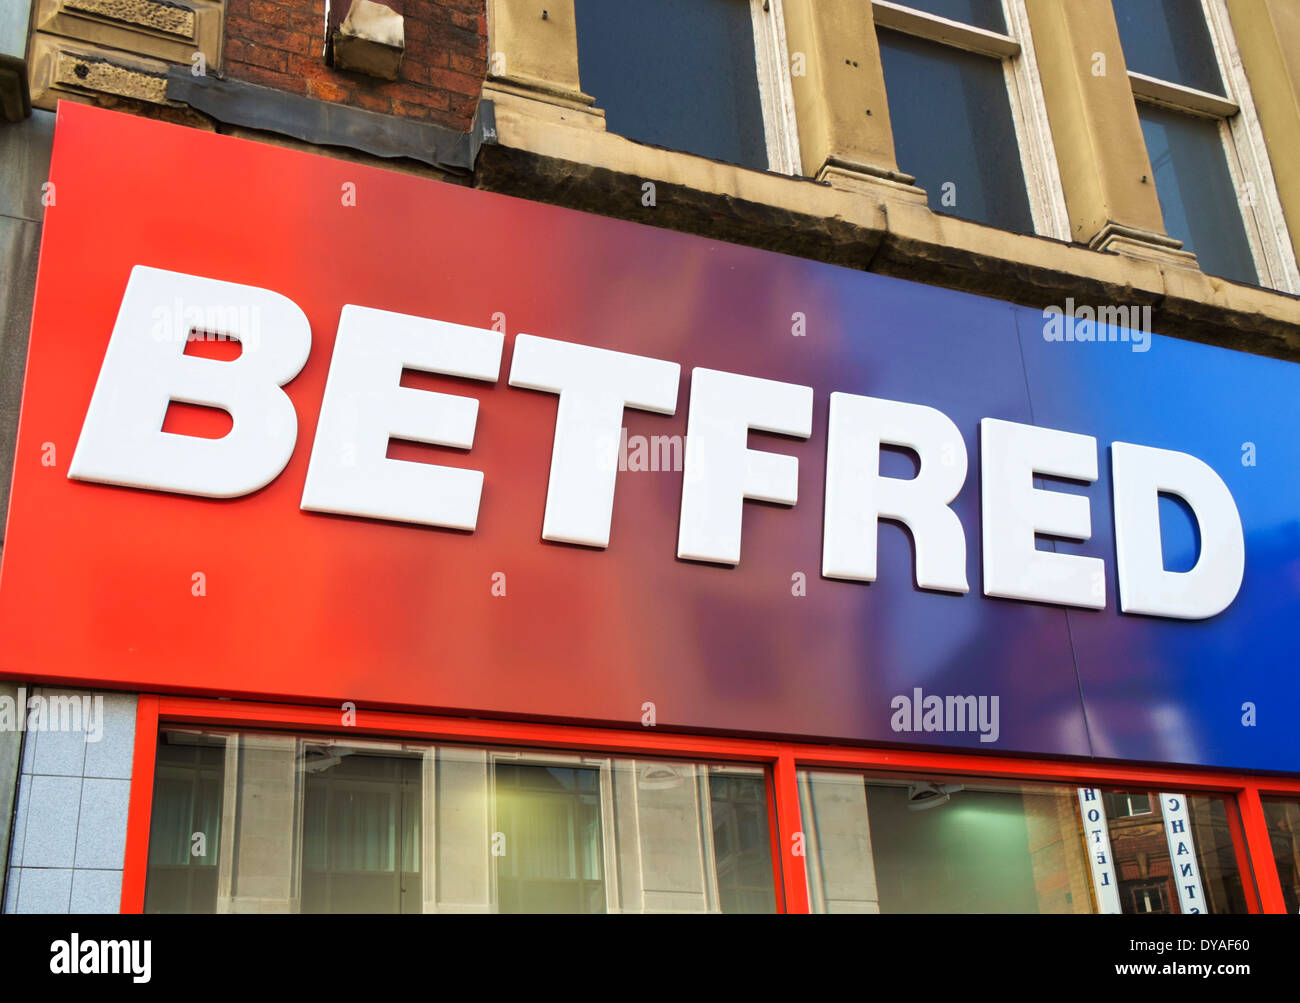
[[1244, 148], [1015, 50], [775, 87], [780, 761]]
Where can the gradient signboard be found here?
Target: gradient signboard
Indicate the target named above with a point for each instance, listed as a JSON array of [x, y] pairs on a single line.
[[300, 561]]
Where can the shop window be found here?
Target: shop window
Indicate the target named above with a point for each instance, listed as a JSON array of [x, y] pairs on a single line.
[[967, 111], [967, 845], [311, 824], [709, 77], [1211, 168], [1283, 820]]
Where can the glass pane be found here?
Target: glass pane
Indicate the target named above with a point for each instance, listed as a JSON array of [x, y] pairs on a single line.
[[1169, 39], [360, 849], [549, 840], [962, 845], [1283, 820], [741, 845], [1197, 197], [318, 825], [185, 828], [980, 13], [953, 130], [675, 73]]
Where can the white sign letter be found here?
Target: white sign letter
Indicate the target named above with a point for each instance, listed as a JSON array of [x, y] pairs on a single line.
[[721, 471], [1014, 511], [594, 385], [146, 368], [857, 495], [1140, 473], [365, 405]]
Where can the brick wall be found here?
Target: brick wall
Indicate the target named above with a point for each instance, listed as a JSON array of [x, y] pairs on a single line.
[[278, 43]]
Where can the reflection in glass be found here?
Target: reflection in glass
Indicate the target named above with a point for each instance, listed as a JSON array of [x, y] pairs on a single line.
[[953, 130], [1197, 196], [1283, 821], [741, 844]]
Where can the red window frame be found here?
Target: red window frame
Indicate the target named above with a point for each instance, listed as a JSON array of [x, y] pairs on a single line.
[[781, 760]]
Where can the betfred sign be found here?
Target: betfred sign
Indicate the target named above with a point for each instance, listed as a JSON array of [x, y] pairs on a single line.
[[365, 408], [398, 490]]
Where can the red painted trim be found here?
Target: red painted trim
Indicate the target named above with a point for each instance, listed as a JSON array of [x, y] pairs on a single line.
[[197, 710], [785, 787], [135, 864], [783, 760], [1260, 848]]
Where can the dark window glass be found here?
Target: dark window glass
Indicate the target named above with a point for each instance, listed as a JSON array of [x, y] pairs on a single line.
[[185, 824], [1283, 820], [980, 13], [741, 843], [1197, 197], [1169, 39], [953, 130], [675, 73]]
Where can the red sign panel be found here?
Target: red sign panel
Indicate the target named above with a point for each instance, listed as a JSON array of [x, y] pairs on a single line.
[[253, 596]]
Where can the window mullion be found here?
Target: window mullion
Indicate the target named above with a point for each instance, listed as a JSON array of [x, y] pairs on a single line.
[[1033, 130]]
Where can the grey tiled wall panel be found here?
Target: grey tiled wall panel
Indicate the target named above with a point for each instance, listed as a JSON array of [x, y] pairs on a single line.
[[70, 819]]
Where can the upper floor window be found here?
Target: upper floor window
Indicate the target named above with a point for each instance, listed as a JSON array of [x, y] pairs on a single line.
[[1211, 169], [1125, 804], [709, 77], [967, 111]]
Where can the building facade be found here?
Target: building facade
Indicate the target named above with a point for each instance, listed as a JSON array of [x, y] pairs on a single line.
[[371, 354]]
